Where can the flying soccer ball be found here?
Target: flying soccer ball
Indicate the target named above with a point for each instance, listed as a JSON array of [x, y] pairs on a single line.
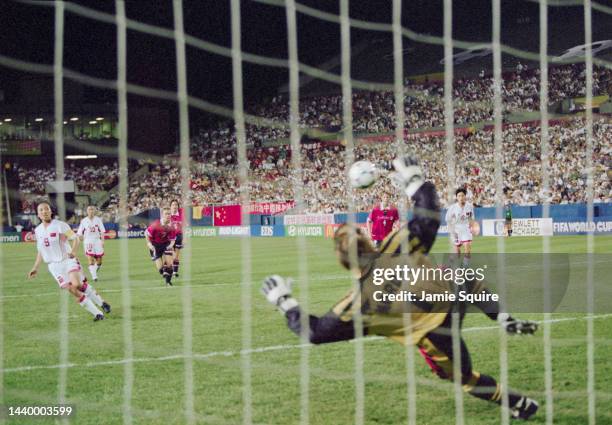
[[362, 174]]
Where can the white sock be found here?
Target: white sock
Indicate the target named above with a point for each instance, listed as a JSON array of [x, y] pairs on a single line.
[[91, 293], [93, 269], [89, 306]]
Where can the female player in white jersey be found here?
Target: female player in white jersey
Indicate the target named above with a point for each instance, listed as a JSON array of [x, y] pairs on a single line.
[[52, 238], [92, 231], [459, 218]]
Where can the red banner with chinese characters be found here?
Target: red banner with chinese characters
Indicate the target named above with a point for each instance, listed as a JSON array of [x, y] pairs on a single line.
[[270, 208]]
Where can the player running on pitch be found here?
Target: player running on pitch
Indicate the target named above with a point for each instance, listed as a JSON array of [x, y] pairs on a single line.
[[429, 327], [52, 238], [459, 218], [92, 231], [382, 220], [176, 218], [160, 237]]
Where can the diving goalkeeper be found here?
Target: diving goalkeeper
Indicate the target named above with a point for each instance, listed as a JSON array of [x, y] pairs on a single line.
[[429, 327]]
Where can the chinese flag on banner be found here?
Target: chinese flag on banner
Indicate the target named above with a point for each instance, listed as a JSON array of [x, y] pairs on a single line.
[[227, 215]]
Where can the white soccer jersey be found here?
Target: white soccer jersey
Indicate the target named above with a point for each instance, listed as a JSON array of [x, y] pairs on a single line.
[[91, 229], [52, 241], [459, 216]]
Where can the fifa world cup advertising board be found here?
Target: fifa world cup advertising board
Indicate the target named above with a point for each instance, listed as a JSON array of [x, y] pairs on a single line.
[[520, 227], [581, 227]]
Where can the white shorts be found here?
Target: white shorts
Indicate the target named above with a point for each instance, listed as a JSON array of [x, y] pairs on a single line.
[[61, 271], [464, 234], [93, 248]]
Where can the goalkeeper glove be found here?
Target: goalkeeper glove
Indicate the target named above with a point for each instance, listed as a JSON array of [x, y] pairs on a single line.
[[515, 326], [278, 292], [409, 175]]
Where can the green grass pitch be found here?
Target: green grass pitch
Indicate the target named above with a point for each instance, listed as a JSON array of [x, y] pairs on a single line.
[[95, 386]]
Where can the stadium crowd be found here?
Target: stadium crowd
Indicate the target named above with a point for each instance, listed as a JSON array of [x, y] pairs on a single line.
[[214, 177], [324, 187]]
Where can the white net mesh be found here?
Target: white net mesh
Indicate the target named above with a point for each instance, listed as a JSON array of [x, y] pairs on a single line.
[[294, 125]]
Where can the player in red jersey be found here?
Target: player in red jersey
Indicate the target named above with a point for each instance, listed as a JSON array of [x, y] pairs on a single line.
[[161, 236], [382, 220], [176, 218]]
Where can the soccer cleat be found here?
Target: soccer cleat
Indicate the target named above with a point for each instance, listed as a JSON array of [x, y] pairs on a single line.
[[106, 307], [175, 274], [95, 279], [98, 317], [524, 408]]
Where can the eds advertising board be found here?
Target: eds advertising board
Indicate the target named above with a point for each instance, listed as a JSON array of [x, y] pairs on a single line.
[[267, 231]]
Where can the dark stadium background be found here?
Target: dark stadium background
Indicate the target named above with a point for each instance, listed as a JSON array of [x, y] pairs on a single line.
[[27, 33]]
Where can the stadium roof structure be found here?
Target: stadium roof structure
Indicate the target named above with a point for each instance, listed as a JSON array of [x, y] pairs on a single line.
[[372, 59]]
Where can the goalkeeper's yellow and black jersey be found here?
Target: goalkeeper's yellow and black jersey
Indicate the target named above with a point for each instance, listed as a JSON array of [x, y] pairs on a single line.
[[388, 319], [403, 321]]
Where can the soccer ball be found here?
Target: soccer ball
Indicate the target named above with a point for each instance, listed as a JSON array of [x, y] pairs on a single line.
[[362, 174]]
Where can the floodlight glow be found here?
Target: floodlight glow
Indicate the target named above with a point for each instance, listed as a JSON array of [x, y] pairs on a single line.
[[81, 156]]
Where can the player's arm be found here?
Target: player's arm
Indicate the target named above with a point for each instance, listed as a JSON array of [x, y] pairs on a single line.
[[369, 223], [450, 222], [35, 267], [425, 222], [81, 231], [148, 234], [102, 231], [493, 310], [396, 220], [327, 328], [472, 218], [73, 237]]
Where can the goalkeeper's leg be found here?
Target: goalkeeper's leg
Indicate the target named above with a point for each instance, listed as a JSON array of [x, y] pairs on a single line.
[[437, 349]]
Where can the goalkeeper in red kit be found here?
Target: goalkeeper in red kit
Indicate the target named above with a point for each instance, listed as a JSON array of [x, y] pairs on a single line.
[[429, 327], [161, 236]]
